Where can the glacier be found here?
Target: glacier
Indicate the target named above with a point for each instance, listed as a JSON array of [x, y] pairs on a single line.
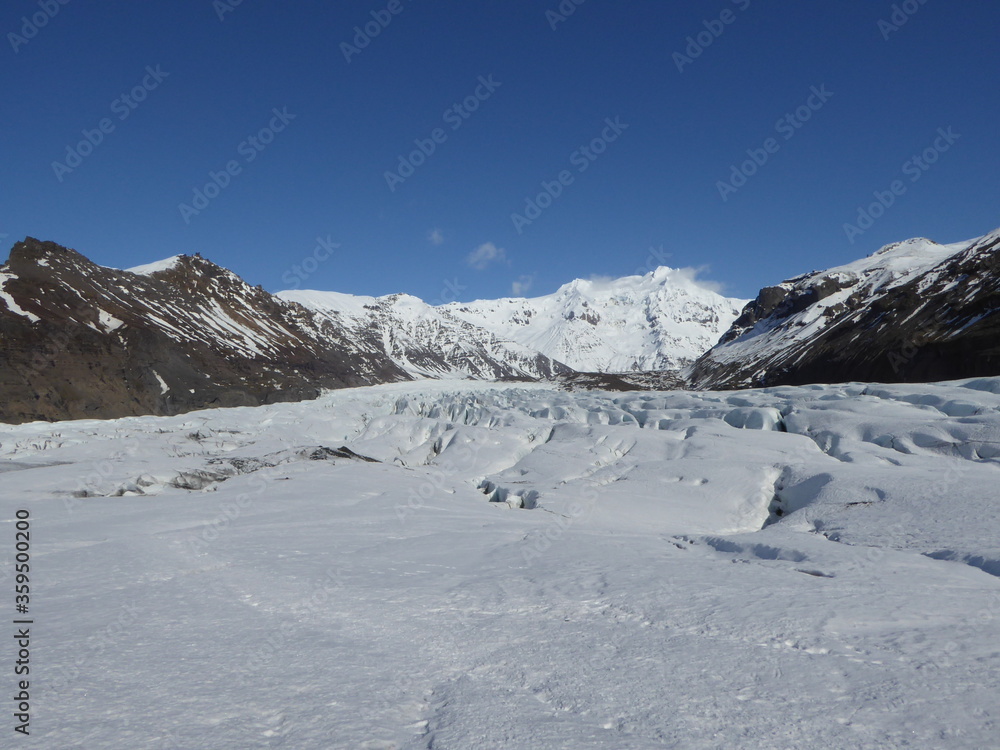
[[451, 564]]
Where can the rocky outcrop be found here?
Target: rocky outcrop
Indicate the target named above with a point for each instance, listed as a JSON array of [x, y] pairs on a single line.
[[78, 340], [914, 311]]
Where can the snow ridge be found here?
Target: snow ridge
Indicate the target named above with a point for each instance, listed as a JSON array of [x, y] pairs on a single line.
[[426, 341], [660, 321]]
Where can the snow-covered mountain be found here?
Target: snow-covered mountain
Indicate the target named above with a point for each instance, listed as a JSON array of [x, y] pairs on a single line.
[[427, 341], [83, 340], [660, 321], [912, 311], [80, 340]]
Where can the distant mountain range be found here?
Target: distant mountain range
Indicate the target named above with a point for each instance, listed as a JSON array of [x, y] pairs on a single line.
[[426, 341], [663, 320], [78, 340], [660, 321]]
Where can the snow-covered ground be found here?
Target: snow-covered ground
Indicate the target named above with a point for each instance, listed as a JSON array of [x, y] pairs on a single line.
[[810, 567]]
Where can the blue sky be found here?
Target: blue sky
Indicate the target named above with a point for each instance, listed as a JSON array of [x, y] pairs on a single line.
[[635, 130]]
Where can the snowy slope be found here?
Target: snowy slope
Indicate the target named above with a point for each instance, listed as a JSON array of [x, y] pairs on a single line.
[[426, 341], [864, 320], [659, 321], [82, 340], [519, 567], [148, 269]]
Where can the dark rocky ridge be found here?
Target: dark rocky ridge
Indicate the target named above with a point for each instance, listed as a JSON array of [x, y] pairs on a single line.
[[649, 380], [105, 339], [942, 324]]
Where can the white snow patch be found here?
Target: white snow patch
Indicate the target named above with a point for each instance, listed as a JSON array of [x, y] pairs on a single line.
[[108, 321], [11, 304], [149, 268], [163, 384]]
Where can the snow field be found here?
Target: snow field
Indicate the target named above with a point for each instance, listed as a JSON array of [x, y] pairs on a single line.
[[520, 568]]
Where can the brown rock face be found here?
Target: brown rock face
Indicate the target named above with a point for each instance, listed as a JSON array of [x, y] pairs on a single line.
[[78, 340], [942, 323]]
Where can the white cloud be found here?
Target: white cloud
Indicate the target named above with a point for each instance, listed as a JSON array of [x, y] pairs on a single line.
[[691, 274], [484, 255], [435, 237], [520, 287]]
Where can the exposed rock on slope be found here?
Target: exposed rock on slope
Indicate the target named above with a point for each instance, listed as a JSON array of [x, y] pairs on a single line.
[[78, 340], [913, 311], [427, 341]]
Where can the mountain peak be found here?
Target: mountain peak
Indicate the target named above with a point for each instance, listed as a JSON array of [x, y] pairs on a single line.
[[904, 245], [32, 253], [661, 274], [81, 340], [662, 320], [424, 340], [913, 310]]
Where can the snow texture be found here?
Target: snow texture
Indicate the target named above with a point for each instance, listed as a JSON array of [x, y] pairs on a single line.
[[463, 565], [423, 340]]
